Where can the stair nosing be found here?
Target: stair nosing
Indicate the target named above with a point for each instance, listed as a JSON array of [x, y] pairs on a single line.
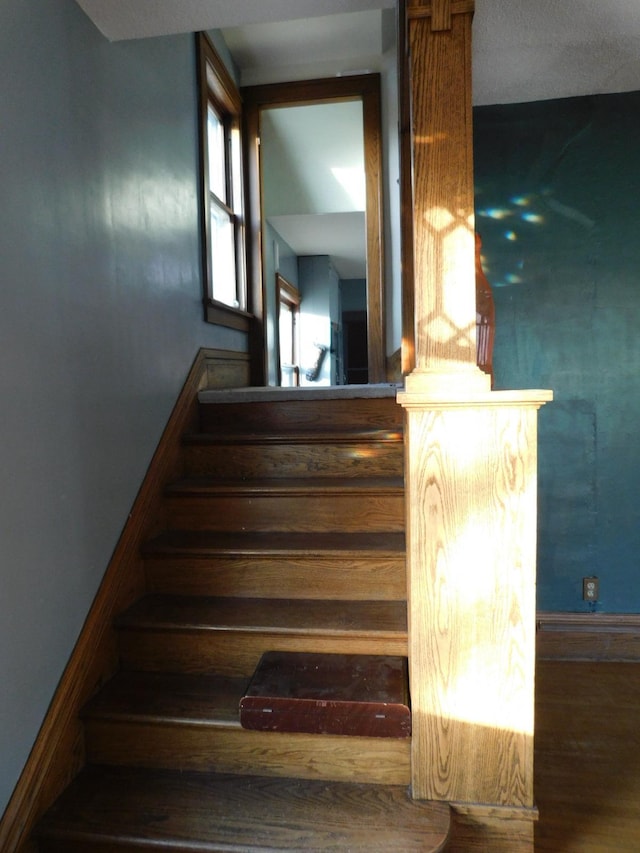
[[268, 544], [300, 436], [210, 622], [288, 486]]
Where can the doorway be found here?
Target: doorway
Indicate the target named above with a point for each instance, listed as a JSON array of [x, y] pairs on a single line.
[[272, 114], [288, 338]]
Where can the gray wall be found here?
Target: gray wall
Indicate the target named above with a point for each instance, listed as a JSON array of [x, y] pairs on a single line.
[[100, 319], [319, 312], [558, 203]]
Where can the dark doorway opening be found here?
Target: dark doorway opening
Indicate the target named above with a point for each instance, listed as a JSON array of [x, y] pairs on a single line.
[[355, 348]]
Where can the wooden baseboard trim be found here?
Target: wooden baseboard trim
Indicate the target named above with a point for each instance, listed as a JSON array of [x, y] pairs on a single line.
[[482, 811], [500, 829], [588, 636], [226, 369], [58, 752]]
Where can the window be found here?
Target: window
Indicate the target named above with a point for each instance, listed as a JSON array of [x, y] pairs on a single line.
[[223, 222]]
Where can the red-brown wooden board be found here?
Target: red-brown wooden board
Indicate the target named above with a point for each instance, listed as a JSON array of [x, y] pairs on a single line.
[[364, 695]]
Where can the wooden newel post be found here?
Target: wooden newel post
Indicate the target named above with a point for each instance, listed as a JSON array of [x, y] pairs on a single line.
[[439, 41], [471, 459]]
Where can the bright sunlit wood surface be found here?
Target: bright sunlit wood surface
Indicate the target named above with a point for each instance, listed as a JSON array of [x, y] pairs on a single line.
[[471, 481]]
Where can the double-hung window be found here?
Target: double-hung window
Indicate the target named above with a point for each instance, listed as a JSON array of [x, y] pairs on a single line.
[[222, 191]]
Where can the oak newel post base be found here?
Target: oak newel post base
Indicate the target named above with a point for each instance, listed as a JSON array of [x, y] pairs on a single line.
[[471, 532]]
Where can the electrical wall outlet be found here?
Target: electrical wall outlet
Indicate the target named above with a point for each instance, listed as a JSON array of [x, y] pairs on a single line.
[[590, 589]]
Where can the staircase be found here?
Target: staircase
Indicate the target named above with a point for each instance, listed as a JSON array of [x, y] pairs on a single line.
[[285, 533]]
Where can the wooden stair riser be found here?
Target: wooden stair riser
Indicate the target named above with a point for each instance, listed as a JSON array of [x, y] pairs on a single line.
[[276, 417], [307, 512], [340, 578], [236, 653], [205, 458], [235, 750]]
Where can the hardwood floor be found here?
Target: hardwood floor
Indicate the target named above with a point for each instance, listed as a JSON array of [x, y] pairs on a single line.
[[587, 757], [587, 767]]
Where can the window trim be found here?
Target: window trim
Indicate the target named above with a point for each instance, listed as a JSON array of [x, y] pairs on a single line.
[[217, 87]]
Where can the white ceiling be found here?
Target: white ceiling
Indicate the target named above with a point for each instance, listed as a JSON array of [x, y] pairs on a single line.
[[523, 49]]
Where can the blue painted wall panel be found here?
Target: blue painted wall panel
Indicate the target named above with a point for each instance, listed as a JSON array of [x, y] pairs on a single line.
[[558, 208]]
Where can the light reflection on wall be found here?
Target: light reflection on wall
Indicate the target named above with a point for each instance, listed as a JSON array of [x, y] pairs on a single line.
[[515, 223]]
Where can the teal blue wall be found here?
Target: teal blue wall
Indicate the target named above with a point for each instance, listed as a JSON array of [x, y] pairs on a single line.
[[100, 319], [558, 208]]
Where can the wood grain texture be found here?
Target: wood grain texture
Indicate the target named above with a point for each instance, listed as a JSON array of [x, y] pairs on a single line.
[[227, 369], [587, 757], [235, 814], [471, 504], [191, 722], [588, 636], [332, 417], [586, 773], [323, 456], [237, 652], [343, 578], [339, 567], [235, 750], [279, 505], [425, 9], [256, 614], [472, 834], [406, 192], [58, 752], [443, 196], [228, 636]]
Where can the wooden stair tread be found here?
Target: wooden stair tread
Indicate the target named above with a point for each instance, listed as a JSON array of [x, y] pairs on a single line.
[[329, 544], [289, 486], [169, 697], [297, 436], [184, 811], [255, 615]]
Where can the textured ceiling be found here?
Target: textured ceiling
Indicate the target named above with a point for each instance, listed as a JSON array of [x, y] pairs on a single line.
[[523, 49], [124, 19]]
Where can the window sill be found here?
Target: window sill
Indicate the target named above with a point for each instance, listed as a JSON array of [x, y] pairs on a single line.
[[225, 315]]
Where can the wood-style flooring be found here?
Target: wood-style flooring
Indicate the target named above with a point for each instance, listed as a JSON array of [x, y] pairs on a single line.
[[587, 767], [587, 757]]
